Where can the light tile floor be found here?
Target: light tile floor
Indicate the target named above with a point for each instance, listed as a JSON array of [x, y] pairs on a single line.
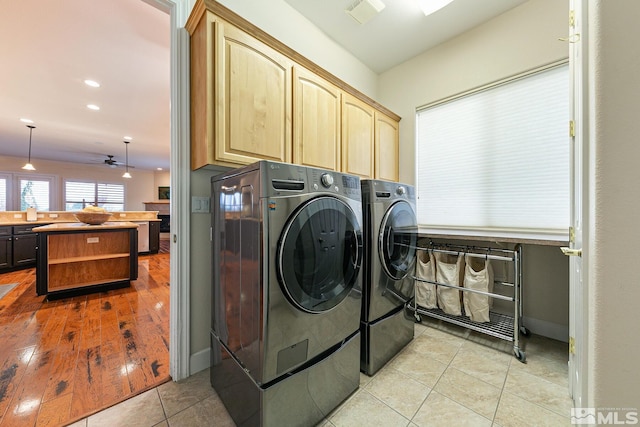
[[446, 376]]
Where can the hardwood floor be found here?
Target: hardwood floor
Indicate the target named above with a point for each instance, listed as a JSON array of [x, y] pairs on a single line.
[[65, 359]]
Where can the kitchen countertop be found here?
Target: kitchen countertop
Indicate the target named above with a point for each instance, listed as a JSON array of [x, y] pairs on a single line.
[[75, 226], [55, 217]]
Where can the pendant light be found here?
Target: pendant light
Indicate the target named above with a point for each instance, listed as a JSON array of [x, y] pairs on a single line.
[[126, 174], [29, 166]]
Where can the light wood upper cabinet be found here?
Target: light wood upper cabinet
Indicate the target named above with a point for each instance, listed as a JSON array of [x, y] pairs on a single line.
[[357, 136], [386, 147], [241, 97], [316, 125], [254, 98]]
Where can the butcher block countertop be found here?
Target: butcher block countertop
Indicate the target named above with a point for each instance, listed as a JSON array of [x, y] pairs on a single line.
[[80, 226]]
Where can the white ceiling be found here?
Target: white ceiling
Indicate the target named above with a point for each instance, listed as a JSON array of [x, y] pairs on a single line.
[[49, 48], [400, 31]]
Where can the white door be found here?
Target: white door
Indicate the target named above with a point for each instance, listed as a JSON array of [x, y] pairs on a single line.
[[579, 202]]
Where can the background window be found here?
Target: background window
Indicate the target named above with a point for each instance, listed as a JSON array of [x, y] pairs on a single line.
[[35, 193], [497, 159], [79, 194], [3, 194]]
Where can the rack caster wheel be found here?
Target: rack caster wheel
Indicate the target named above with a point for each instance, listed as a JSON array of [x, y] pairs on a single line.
[[520, 355], [417, 318], [524, 331]]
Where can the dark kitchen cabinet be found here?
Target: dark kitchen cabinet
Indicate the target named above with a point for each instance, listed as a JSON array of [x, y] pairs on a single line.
[[18, 246], [154, 237], [6, 248]]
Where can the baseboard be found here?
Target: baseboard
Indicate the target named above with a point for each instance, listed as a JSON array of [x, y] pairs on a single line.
[[199, 361], [547, 329]]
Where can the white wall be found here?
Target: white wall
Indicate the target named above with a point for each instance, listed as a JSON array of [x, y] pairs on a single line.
[[140, 188], [613, 285], [519, 40]]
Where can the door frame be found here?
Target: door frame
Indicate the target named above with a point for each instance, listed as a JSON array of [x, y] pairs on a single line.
[[179, 324], [580, 201]]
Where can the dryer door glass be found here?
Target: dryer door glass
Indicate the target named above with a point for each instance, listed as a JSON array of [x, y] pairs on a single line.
[[397, 240], [319, 254]]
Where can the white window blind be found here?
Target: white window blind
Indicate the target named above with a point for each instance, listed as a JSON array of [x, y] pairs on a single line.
[[79, 194], [34, 193], [3, 194], [497, 159]]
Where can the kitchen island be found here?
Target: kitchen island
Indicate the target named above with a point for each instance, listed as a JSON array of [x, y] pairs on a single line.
[[76, 258]]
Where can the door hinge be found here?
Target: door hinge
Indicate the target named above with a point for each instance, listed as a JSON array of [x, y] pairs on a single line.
[[572, 19], [572, 235], [572, 345], [572, 128]]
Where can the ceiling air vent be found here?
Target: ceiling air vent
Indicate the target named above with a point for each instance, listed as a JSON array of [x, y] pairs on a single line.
[[364, 10]]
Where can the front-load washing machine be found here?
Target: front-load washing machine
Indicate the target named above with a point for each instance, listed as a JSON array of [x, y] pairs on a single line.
[[286, 297], [390, 238]]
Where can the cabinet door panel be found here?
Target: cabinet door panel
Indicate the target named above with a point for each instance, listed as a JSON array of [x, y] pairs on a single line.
[[24, 250], [6, 250], [254, 103], [316, 128], [357, 137], [386, 154]]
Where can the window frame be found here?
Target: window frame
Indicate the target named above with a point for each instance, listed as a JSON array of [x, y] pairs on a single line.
[[16, 191]]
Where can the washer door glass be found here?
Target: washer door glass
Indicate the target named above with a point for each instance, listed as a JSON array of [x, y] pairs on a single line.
[[319, 254], [397, 240]]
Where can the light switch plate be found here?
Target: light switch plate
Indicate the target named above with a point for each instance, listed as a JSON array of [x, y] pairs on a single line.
[[200, 204]]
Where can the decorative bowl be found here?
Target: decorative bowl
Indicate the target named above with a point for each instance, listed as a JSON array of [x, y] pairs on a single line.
[[92, 218]]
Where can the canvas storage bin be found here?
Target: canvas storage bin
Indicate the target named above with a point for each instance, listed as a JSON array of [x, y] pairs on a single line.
[[426, 269], [448, 270], [478, 275]]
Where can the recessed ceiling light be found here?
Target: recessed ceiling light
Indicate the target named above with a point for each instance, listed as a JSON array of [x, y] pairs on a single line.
[[93, 107], [26, 120], [92, 83], [127, 138], [159, 169], [430, 6]]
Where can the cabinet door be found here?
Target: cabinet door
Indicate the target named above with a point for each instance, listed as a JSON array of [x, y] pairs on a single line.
[[386, 148], [316, 125], [6, 250], [24, 250], [357, 136], [253, 99], [154, 236]]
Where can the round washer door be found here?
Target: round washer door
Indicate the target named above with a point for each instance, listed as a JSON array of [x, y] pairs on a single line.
[[319, 254], [397, 240]]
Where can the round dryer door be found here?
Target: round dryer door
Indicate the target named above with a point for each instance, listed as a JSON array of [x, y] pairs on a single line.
[[397, 240], [319, 254]]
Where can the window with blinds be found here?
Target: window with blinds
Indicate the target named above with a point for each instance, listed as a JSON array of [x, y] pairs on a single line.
[[497, 159], [3, 194], [79, 194], [35, 193]]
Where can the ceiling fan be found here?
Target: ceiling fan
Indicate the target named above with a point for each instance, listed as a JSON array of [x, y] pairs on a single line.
[[112, 163]]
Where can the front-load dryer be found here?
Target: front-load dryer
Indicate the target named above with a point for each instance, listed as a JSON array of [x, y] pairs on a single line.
[[287, 251], [390, 238]]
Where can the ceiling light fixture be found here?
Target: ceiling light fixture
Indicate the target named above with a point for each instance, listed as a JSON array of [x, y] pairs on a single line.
[[431, 6], [364, 10], [126, 163], [92, 83], [29, 166], [26, 121], [93, 107], [127, 138]]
